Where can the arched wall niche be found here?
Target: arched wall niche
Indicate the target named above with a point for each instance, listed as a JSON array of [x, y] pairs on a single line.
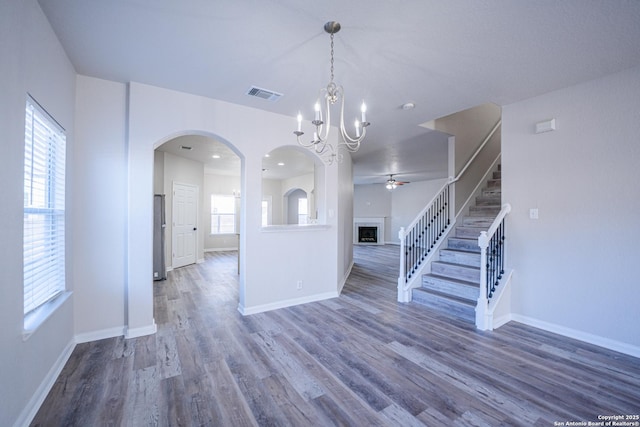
[[288, 168]]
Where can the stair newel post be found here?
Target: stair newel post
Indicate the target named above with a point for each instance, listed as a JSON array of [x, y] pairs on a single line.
[[482, 308], [402, 294]]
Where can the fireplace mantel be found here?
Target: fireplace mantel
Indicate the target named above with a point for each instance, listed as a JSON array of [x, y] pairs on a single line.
[[377, 222]]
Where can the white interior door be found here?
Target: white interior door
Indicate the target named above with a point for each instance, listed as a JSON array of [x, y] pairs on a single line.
[[184, 224]]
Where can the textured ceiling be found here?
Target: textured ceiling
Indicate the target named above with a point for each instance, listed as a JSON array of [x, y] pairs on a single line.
[[445, 56]]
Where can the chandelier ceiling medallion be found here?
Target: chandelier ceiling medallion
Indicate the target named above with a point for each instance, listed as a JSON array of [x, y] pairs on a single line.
[[332, 94]]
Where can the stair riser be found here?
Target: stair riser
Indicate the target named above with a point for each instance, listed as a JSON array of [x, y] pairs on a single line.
[[478, 221], [492, 183], [484, 211], [463, 258], [469, 232], [448, 306], [497, 175], [463, 244], [488, 201], [459, 272], [451, 288], [492, 192]]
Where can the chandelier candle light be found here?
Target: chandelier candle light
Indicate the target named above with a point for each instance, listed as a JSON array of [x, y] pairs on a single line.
[[332, 94]]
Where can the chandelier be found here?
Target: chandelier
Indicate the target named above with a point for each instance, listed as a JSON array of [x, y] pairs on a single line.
[[332, 94]]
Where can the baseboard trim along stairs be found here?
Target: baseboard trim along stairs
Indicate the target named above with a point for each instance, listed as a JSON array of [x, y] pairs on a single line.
[[453, 285]]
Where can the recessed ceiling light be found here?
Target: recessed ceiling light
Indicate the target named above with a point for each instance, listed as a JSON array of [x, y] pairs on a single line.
[[216, 156], [408, 106], [186, 147], [280, 164], [267, 155]]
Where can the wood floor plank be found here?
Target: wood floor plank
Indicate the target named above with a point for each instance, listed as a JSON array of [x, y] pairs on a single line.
[[359, 359]]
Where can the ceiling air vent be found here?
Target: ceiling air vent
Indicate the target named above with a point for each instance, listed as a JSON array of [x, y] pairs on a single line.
[[269, 95]]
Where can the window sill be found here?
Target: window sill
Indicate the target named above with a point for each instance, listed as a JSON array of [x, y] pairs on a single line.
[[37, 317]]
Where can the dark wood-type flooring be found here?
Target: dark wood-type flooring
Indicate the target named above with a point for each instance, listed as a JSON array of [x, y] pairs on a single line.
[[358, 360]]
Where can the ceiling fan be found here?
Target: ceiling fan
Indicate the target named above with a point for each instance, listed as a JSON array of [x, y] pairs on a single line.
[[392, 183]]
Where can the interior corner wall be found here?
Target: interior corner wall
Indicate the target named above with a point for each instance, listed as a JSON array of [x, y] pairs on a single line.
[[33, 62], [101, 161], [345, 221], [574, 267], [470, 127]]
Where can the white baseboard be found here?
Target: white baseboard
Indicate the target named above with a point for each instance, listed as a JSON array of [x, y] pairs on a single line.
[[221, 249], [345, 278], [29, 412], [140, 332], [99, 335], [502, 320], [287, 303], [607, 343]]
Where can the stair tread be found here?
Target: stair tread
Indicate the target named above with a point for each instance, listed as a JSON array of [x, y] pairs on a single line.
[[464, 301], [460, 250], [456, 265], [452, 280]]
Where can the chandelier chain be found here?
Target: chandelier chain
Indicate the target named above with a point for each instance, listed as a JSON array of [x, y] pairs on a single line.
[[332, 57]]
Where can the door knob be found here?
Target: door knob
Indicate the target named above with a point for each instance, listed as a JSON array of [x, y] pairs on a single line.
[[195, 228]]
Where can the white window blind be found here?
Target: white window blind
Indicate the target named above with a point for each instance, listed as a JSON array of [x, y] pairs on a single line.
[[44, 207]]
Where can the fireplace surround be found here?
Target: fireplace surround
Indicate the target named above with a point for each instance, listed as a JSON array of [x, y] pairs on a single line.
[[368, 231]]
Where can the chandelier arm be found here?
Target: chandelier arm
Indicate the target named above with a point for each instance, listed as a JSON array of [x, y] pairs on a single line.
[[351, 144]]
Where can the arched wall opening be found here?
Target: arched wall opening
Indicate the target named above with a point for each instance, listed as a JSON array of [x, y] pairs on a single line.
[[278, 257], [201, 163]]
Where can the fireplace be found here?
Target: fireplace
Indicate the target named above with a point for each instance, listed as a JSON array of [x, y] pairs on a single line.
[[367, 234], [368, 231]]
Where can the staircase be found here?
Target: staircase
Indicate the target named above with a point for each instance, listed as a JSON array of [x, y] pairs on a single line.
[[454, 282]]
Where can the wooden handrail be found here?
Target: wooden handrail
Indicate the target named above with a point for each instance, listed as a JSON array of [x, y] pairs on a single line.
[[484, 142]]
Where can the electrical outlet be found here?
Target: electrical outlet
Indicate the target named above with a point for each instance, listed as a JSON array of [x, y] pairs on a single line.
[[533, 213], [299, 285]]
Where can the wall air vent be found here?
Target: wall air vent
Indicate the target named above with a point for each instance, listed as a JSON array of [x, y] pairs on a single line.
[[269, 95]]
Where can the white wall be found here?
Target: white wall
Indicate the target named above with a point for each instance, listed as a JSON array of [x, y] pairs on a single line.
[[345, 218], [100, 159], [470, 127], [575, 268], [32, 62], [272, 189]]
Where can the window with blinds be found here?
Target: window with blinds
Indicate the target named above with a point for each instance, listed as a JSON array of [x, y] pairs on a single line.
[[44, 207]]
